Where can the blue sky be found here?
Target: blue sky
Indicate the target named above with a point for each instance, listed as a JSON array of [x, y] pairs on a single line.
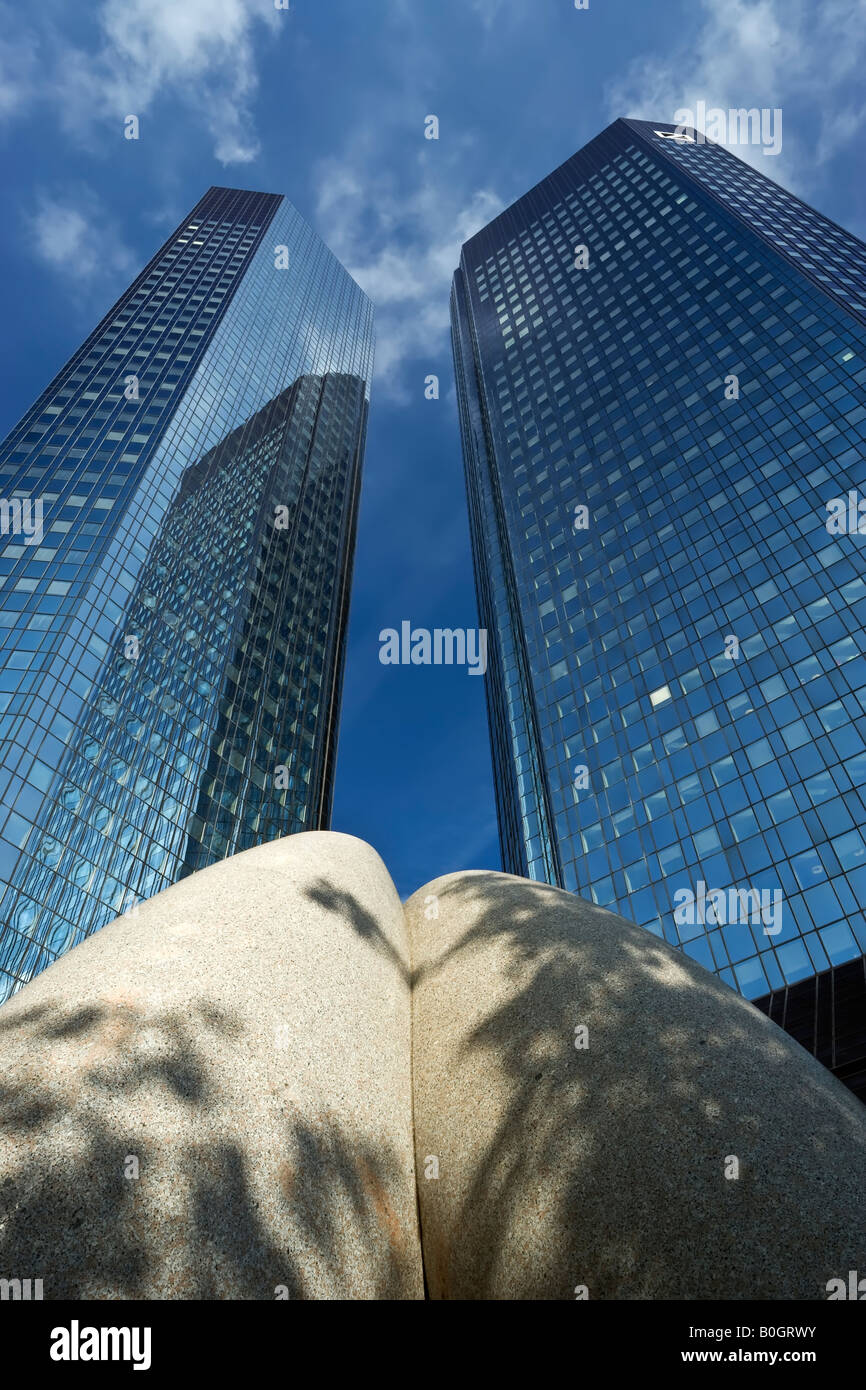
[[326, 103]]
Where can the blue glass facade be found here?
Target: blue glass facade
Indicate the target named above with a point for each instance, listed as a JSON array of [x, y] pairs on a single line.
[[173, 641], [661, 361]]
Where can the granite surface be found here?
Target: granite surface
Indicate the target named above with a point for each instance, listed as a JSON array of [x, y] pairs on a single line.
[[211, 1097], [610, 1121]]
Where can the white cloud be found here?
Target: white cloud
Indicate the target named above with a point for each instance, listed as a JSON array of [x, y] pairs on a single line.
[[74, 236], [491, 13], [402, 247], [488, 11], [201, 52], [18, 69], [765, 53]]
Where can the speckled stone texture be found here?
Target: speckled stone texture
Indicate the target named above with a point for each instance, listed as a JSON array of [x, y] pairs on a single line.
[[244, 1040], [563, 1169]]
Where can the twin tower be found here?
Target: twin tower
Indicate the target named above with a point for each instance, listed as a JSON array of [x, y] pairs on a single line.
[[660, 358]]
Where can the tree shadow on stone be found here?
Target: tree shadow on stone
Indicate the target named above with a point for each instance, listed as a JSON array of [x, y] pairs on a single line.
[[619, 1150], [346, 906], [212, 1225]]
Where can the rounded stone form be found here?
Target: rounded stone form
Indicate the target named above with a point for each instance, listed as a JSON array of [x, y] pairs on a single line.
[[598, 1116], [211, 1097]]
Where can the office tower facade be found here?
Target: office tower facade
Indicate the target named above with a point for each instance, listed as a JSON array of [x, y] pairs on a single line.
[[180, 511], [661, 359]]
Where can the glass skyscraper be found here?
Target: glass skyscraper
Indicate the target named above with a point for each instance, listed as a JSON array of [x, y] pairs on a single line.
[[661, 359], [173, 628]]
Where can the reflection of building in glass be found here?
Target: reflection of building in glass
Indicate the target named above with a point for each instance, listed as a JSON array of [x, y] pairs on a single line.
[[173, 648], [660, 335], [204, 736], [271, 764]]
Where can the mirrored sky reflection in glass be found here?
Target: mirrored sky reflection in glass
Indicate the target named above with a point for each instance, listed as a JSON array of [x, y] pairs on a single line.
[[122, 769], [604, 387]]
